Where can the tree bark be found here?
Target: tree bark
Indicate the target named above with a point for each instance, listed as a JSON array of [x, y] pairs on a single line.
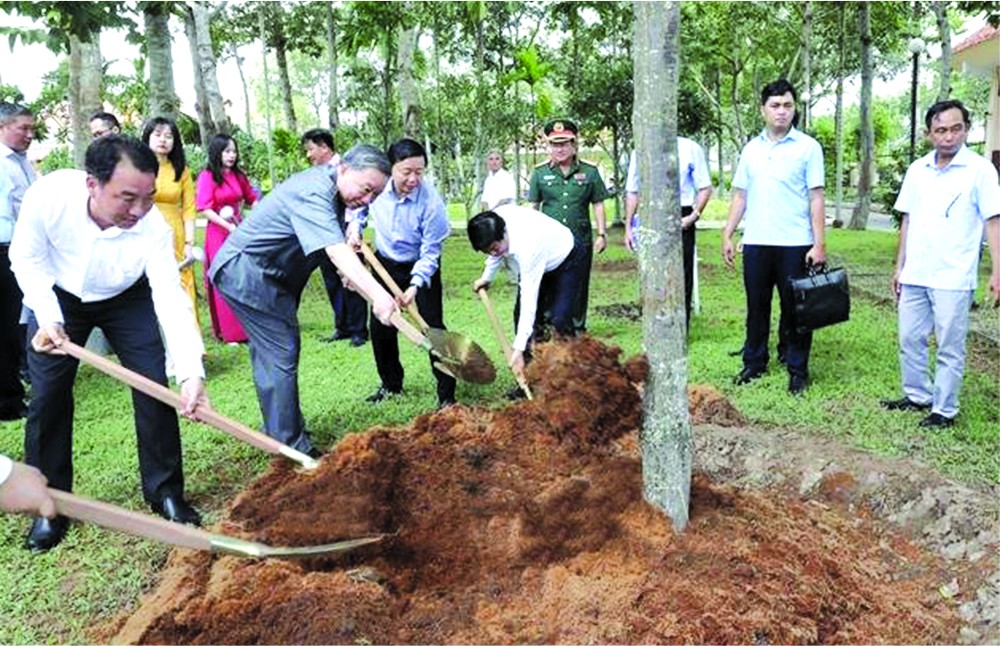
[[206, 125], [666, 434], [481, 100], [206, 63], [281, 56], [806, 64], [246, 91], [331, 57], [838, 118], [944, 32], [85, 77], [409, 97], [859, 217], [163, 101]]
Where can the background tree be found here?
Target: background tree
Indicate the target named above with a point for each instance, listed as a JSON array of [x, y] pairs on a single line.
[[163, 99], [859, 217], [666, 434]]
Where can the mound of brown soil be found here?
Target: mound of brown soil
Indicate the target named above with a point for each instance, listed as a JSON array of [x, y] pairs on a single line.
[[527, 525]]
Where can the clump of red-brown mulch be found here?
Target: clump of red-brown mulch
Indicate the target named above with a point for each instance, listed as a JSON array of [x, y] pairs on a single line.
[[527, 525]]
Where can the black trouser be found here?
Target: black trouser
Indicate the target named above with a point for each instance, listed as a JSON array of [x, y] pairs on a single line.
[[764, 268], [557, 294], [130, 324], [582, 297], [350, 312], [385, 339], [687, 243], [11, 336]]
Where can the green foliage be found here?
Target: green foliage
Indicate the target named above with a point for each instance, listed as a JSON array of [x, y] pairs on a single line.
[[63, 19], [61, 157]]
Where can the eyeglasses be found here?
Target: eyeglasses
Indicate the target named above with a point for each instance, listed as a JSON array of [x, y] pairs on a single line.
[[957, 129]]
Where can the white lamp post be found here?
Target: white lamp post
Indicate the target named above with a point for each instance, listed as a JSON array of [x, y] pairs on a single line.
[[916, 47]]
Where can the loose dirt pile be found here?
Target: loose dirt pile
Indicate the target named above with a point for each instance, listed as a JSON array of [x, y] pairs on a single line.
[[527, 525]]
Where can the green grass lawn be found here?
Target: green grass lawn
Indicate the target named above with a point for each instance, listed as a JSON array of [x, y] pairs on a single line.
[[96, 574]]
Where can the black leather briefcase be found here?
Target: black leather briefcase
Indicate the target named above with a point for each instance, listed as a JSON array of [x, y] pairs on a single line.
[[822, 298]]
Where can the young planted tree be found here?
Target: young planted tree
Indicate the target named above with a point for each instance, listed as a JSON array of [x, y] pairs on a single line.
[[666, 434]]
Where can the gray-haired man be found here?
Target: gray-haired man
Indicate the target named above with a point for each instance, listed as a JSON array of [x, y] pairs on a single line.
[[265, 264], [17, 129]]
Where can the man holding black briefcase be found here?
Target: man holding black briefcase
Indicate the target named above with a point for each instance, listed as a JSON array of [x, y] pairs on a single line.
[[778, 185]]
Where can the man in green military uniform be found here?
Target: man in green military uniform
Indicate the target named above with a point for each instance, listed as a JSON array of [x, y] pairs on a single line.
[[563, 188]]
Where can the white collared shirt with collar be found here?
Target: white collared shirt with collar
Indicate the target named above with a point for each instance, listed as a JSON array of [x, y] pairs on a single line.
[[497, 187], [6, 466], [691, 167], [777, 177], [537, 244], [946, 210], [57, 243], [20, 174]]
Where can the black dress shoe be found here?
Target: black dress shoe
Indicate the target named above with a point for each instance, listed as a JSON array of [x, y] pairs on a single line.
[[46, 533], [446, 402], [516, 393], [381, 394], [336, 336], [905, 403], [177, 510], [314, 453], [11, 412], [797, 384], [746, 376], [937, 420], [357, 341]]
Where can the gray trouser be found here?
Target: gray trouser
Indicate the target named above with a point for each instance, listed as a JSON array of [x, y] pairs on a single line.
[[946, 313]]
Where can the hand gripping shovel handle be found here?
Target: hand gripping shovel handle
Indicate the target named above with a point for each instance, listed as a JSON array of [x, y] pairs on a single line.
[[391, 284], [491, 313], [163, 531], [169, 397]]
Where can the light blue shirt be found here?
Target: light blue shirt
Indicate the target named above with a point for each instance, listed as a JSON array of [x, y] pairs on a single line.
[[7, 218], [18, 175], [411, 228], [777, 177], [692, 169]]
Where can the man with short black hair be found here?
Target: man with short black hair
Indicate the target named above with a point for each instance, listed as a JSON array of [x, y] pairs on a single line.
[[103, 124], [778, 186], [91, 250], [546, 258], [947, 197], [17, 130]]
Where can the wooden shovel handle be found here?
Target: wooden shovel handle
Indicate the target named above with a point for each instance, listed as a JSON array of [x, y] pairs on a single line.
[[391, 284], [169, 397], [505, 347], [130, 522]]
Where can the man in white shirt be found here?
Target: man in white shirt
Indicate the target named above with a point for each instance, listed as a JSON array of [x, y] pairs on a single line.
[[90, 250], [946, 197], [695, 191], [17, 130], [499, 187], [546, 258], [22, 490]]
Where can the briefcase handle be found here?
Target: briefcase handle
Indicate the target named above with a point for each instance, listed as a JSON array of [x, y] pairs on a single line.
[[814, 269]]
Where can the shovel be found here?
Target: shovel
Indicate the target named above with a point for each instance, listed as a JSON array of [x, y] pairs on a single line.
[[169, 397], [502, 338], [164, 531], [460, 356]]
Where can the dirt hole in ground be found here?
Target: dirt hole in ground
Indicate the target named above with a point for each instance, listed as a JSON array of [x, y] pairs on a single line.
[[527, 525]]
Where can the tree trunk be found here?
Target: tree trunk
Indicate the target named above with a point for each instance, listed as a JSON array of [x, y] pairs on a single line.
[[666, 434], [838, 118], [859, 218], [331, 57], [409, 97], [206, 63], [205, 123], [281, 56], [944, 31], [163, 101], [806, 64], [480, 100], [85, 76], [269, 137], [246, 91]]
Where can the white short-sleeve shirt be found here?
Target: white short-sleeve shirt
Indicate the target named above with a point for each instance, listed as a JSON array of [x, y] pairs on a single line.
[[497, 187], [946, 209], [692, 170]]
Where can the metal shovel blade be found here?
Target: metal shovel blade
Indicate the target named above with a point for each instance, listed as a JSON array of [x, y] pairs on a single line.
[[462, 356], [238, 547]]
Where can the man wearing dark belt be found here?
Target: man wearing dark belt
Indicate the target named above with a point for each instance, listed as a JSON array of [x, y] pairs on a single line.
[[90, 250], [778, 188], [695, 190], [17, 130], [411, 224]]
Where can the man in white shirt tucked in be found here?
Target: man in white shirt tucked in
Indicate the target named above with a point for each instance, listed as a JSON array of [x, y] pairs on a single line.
[[548, 262], [90, 250], [499, 187], [17, 130], [946, 197]]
